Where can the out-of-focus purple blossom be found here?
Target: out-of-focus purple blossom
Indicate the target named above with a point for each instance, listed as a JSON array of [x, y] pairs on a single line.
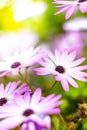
[[72, 40], [19, 60], [64, 66], [30, 111], [70, 6], [7, 93]]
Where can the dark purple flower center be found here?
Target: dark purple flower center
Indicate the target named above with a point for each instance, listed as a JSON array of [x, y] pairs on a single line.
[[28, 112], [82, 0], [15, 65], [60, 69], [3, 101]]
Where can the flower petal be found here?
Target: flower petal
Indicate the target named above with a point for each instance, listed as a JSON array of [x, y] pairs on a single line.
[[70, 11], [10, 123], [36, 97]]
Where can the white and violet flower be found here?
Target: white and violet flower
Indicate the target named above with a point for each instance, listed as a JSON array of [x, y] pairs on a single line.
[[64, 66], [14, 63], [7, 92], [30, 111], [70, 6]]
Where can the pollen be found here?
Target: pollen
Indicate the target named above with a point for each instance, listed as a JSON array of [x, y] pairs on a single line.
[[60, 69], [28, 112], [3, 101], [15, 65], [82, 0]]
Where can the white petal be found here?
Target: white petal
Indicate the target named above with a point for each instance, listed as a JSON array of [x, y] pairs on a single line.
[[10, 123], [36, 97]]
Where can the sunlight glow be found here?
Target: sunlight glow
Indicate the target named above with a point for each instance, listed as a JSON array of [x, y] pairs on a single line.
[[3, 3], [25, 9], [76, 24]]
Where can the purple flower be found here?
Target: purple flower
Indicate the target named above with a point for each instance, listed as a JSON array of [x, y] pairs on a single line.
[[30, 109], [64, 67], [7, 93], [19, 60], [31, 125], [70, 6], [72, 40]]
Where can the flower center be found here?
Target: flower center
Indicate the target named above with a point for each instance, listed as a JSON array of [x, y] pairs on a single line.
[[3, 101], [28, 112], [82, 0], [15, 65], [60, 69]]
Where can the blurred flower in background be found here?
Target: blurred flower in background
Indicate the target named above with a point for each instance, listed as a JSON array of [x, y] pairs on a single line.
[[79, 26], [71, 40]]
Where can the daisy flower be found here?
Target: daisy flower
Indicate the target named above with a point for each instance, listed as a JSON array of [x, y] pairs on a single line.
[[30, 111], [70, 6], [7, 93], [64, 67], [14, 63]]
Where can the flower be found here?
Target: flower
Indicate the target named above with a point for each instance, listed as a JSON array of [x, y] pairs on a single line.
[[30, 109], [69, 6], [31, 125], [72, 40], [19, 60], [64, 67], [7, 93]]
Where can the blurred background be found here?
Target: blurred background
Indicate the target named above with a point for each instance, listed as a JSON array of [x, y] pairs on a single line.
[[33, 22], [25, 23]]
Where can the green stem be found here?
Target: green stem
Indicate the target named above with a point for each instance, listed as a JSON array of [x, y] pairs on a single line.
[[62, 119], [49, 90], [27, 74], [24, 79], [53, 86]]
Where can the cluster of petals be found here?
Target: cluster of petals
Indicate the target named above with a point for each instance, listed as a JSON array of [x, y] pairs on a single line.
[[64, 66], [7, 93], [32, 111], [70, 6], [19, 60]]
